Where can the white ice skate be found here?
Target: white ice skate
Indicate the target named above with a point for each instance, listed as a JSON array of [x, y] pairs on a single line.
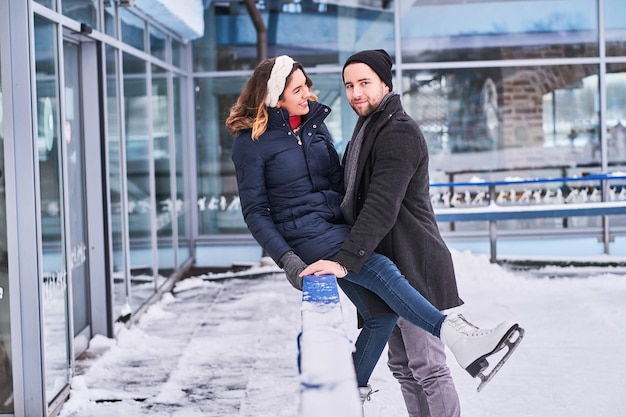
[[471, 345]]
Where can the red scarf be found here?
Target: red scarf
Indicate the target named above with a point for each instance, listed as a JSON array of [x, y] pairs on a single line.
[[295, 121]]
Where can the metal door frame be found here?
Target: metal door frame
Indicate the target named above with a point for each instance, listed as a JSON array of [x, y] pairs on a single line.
[[92, 134]]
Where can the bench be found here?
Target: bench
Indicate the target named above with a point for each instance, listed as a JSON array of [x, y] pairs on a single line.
[[328, 386]]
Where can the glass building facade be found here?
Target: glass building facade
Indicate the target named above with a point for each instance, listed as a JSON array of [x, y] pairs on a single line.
[[96, 120], [501, 90], [115, 170]]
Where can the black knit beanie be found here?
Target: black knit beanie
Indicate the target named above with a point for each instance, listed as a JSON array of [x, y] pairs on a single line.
[[378, 60]]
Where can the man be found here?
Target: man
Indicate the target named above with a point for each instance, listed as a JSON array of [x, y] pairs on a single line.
[[388, 203]]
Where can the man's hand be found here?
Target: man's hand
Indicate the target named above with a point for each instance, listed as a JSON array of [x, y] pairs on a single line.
[[324, 266]]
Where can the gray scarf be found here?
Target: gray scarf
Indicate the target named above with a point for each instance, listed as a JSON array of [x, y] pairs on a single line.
[[352, 160]]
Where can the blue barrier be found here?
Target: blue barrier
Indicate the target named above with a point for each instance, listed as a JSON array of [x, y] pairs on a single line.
[[591, 177], [493, 212], [328, 386]]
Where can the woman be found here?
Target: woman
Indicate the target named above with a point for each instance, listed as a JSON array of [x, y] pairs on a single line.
[[290, 186]]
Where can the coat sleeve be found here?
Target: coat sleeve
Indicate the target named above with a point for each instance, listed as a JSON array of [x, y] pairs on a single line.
[[336, 175], [250, 166], [395, 158]]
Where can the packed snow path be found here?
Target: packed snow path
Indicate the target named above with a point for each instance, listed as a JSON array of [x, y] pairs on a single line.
[[228, 348], [212, 349]]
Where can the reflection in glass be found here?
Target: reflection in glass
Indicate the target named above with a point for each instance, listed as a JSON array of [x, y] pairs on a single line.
[[6, 358], [74, 140], [339, 29], [493, 30], [330, 90], [132, 28], [47, 3], [493, 119], [138, 166], [218, 203], [54, 286], [616, 113], [121, 288], [510, 122], [162, 156], [177, 50], [109, 19], [158, 43], [615, 24], [82, 11]]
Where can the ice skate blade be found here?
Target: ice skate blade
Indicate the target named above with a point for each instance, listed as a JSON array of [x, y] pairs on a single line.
[[480, 364], [477, 366], [511, 344]]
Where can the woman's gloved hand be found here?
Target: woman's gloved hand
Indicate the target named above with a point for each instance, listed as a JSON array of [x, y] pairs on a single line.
[[293, 266]]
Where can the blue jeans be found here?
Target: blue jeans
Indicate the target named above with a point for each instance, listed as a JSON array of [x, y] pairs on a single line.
[[377, 328], [381, 276]]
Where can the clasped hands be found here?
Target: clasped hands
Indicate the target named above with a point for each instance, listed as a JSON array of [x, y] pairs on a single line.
[[324, 266]]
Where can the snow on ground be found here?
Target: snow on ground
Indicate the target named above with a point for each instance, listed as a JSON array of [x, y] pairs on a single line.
[[222, 348]]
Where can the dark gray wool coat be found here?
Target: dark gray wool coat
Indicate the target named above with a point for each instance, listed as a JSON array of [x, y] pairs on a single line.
[[392, 207]]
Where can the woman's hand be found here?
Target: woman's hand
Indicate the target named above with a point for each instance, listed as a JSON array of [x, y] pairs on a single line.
[[324, 266]]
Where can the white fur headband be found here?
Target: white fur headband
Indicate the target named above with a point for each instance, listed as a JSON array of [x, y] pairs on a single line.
[[278, 78]]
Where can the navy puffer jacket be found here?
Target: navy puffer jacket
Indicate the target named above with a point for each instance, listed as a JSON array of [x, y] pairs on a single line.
[[290, 193]]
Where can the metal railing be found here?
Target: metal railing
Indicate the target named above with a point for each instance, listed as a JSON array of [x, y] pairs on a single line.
[[589, 195]]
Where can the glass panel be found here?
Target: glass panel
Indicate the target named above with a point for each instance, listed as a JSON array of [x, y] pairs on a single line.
[[162, 157], [615, 24], [495, 122], [458, 30], [109, 19], [158, 43], [47, 3], [330, 90], [120, 285], [177, 50], [82, 11], [138, 163], [512, 123], [55, 292], [616, 113], [505, 123], [339, 32], [218, 203], [6, 357], [132, 28], [74, 139], [183, 204]]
